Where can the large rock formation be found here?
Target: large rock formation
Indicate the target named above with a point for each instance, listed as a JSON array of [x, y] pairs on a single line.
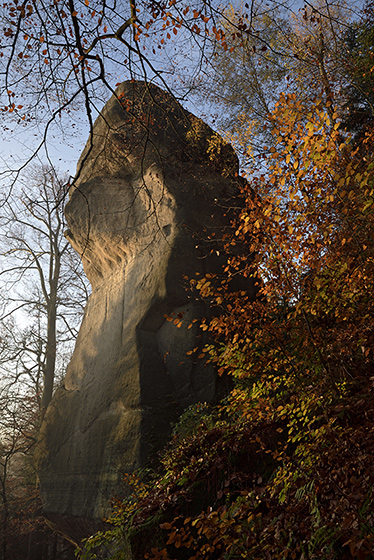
[[153, 187]]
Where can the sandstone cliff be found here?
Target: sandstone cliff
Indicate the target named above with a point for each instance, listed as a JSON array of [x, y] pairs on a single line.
[[153, 184]]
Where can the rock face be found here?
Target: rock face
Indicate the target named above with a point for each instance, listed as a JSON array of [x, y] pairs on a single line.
[[152, 190]]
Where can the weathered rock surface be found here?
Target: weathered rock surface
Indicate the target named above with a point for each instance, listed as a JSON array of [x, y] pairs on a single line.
[[153, 184]]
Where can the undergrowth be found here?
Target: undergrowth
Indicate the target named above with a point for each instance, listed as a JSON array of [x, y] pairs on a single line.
[[260, 476]]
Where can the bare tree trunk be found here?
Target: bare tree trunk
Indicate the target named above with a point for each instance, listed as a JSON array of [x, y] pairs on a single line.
[[50, 356]]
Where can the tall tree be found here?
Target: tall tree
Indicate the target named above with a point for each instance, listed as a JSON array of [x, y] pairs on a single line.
[[269, 49], [358, 96], [43, 277], [43, 294]]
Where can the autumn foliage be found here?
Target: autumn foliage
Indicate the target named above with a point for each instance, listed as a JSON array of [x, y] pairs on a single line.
[[283, 467]]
